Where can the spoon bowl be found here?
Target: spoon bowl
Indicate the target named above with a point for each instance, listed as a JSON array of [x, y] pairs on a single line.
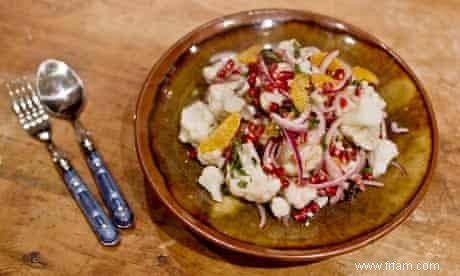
[[60, 89]]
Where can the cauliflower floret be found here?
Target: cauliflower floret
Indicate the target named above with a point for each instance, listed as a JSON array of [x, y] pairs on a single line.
[[211, 179], [366, 137], [255, 185], [311, 156], [212, 158], [280, 207], [266, 98], [196, 123], [298, 196], [380, 158], [222, 98], [368, 111]]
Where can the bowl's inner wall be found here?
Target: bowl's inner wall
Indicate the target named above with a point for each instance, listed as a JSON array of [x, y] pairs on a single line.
[[334, 224]]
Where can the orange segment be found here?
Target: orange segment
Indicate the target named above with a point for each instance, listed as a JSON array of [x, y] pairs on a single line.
[[250, 54], [317, 58], [318, 80], [222, 135], [361, 73], [298, 91]]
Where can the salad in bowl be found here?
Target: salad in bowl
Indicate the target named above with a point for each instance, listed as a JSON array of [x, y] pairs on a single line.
[[290, 128]]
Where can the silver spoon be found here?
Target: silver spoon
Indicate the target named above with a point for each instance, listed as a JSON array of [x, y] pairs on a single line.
[[62, 93]]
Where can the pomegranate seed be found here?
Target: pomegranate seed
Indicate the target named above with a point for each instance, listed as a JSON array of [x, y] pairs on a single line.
[[285, 75], [338, 74], [332, 149], [253, 68], [229, 65], [279, 171], [301, 215], [256, 130], [252, 79], [192, 153], [343, 103], [284, 183], [269, 86], [323, 178], [221, 73], [343, 156], [314, 207], [330, 191], [367, 176], [248, 138], [353, 152], [253, 93], [268, 168], [273, 107], [357, 91], [314, 179]]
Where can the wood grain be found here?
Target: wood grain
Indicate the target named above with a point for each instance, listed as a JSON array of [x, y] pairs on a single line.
[[112, 44]]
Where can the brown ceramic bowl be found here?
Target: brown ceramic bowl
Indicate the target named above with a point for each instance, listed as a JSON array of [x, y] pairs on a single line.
[[233, 225]]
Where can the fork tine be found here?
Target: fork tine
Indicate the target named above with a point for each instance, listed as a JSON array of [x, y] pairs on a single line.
[[15, 103]]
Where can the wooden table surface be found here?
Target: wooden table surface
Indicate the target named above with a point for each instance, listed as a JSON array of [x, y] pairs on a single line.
[[112, 44]]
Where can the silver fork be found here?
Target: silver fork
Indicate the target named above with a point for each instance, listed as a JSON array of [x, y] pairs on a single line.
[[33, 119]]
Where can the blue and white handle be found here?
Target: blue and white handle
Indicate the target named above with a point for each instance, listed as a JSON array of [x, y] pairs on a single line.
[[122, 216], [98, 220]]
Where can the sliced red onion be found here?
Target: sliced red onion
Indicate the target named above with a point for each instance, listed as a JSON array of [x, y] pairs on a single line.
[[359, 165], [331, 167], [399, 167], [262, 215], [397, 129], [327, 60], [293, 144], [221, 56], [373, 183], [269, 153], [288, 124], [264, 69], [314, 136]]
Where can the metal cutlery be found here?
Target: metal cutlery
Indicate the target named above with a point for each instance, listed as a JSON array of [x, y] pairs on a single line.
[[33, 118], [61, 91]]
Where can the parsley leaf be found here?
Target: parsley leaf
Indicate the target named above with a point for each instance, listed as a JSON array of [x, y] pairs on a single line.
[[242, 184], [270, 57], [312, 123], [355, 82], [296, 45], [297, 69]]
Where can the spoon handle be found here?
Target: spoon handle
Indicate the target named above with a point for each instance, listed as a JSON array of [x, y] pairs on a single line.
[[97, 219], [122, 215]]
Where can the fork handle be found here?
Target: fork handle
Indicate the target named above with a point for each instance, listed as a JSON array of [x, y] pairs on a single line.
[[122, 216], [98, 220]]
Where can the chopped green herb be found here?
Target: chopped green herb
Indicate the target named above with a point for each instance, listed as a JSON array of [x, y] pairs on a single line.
[[355, 82], [297, 69], [367, 170], [244, 74], [270, 57], [242, 184], [323, 143], [225, 190], [296, 49], [312, 123], [254, 161], [235, 161]]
